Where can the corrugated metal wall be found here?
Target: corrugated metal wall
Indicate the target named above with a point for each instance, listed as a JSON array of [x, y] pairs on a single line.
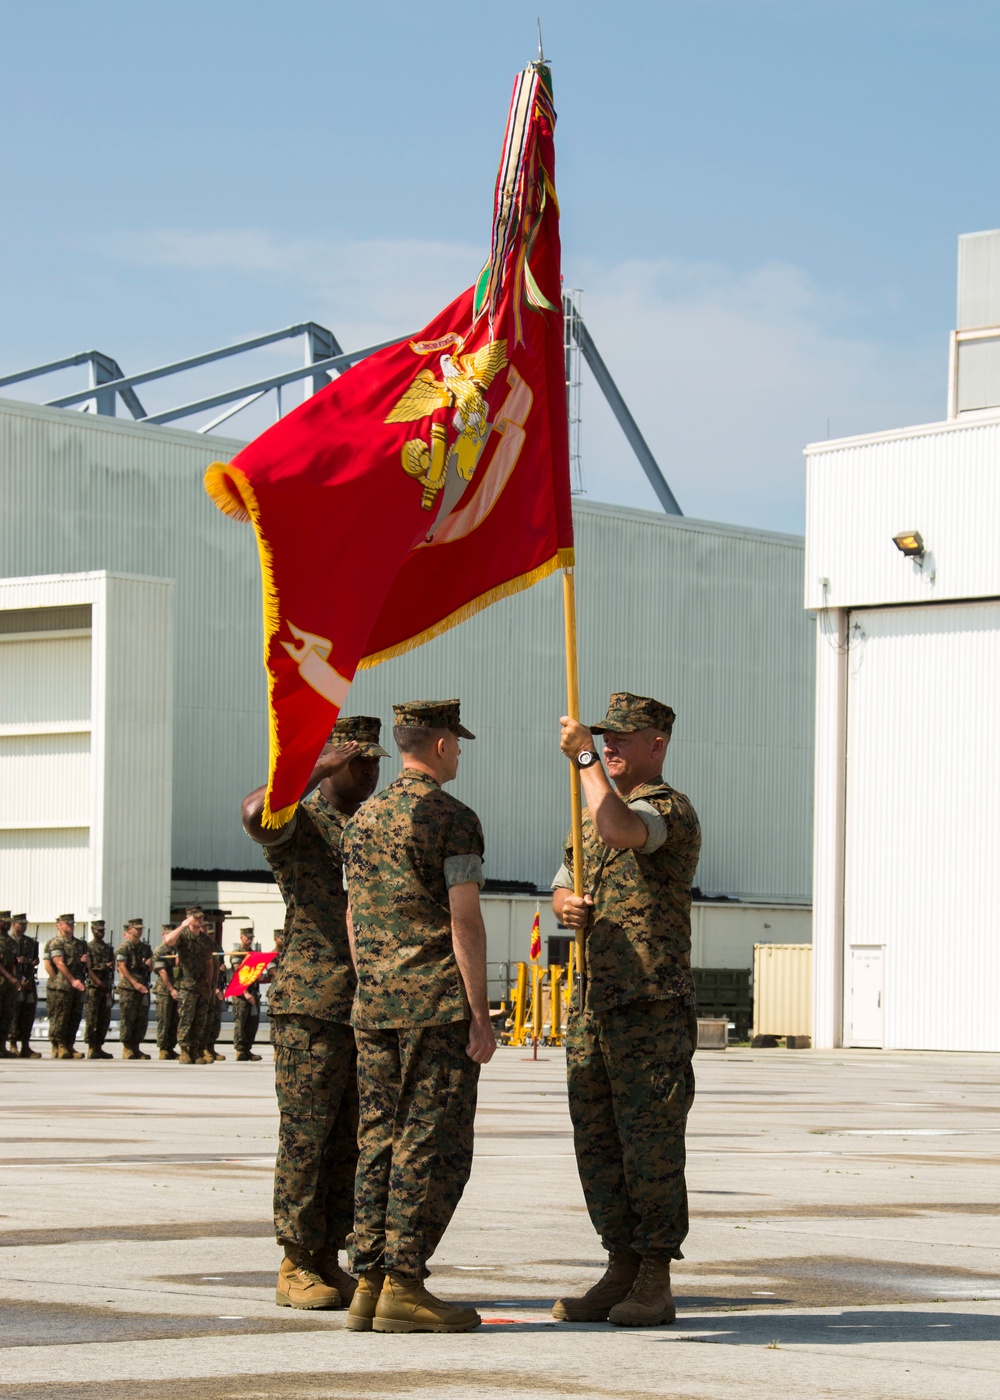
[[923, 821], [707, 617]]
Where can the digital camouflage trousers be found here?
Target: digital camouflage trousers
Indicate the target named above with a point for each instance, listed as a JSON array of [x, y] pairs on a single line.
[[8, 1004], [316, 1082], [213, 1019], [97, 1018], [133, 1012], [192, 1019], [24, 1016], [166, 1023], [631, 1086], [65, 1010], [418, 1092], [246, 1023]]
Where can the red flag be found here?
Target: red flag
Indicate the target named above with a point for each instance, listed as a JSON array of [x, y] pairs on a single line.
[[247, 973], [425, 483], [536, 938]]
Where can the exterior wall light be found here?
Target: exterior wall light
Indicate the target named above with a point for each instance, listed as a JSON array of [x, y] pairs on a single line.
[[910, 543]]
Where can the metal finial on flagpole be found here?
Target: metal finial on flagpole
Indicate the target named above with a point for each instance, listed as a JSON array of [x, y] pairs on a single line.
[[541, 49]]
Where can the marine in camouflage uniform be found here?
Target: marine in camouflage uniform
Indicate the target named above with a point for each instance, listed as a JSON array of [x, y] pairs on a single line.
[[9, 981], [195, 983], [246, 1006], [100, 992], [309, 1005], [65, 991], [216, 1005], [27, 997], [421, 1018], [164, 965], [629, 1050], [135, 959]]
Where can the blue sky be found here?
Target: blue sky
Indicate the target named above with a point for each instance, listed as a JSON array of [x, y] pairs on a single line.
[[761, 200]]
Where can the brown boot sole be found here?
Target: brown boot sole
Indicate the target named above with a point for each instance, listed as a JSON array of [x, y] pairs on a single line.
[[354, 1323], [564, 1314], [392, 1324], [282, 1300], [668, 1316]]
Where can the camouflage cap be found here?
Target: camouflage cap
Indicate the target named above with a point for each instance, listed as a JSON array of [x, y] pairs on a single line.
[[65, 918], [97, 923], [136, 923], [247, 930], [363, 730], [5, 914], [628, 713], [16, 918], [432, 714], [166, 928]]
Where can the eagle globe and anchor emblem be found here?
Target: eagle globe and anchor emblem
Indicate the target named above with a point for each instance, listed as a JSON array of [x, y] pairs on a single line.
[[462, 385]]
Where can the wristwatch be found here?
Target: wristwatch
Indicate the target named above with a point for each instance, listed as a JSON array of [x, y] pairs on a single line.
[[586, 758]]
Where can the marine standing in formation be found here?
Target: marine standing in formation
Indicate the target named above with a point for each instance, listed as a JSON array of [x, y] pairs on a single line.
[[216, 1002], [66, 955], [195, 983], [135, 960], [164, 965], [309, 1006], [629, 1049], [100, 992], [9, 982], [26, 950], [246, 1006], [413, 861]]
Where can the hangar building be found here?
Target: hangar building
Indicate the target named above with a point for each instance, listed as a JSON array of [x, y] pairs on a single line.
[[903, 572]]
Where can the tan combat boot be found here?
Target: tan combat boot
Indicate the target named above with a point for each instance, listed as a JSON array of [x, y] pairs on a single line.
[[54, 1052], [327, 1264], [300, 1286], [206, 1058], [28, 1054], [140, 1054], [215, 1054], [611, 1288], [98, 1054], [404, 1305], [168, 1054], [186, 1058], [650, 1302], [128, 1053], [72, 1053], [365, 1299], [62, 1052]]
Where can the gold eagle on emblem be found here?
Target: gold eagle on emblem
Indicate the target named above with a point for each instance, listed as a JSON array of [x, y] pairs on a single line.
[[463, 380]]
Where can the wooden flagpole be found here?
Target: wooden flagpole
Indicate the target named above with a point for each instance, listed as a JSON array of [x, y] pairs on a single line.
[[576, 797]]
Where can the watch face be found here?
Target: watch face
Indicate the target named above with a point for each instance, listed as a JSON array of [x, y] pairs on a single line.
[[586, 758]]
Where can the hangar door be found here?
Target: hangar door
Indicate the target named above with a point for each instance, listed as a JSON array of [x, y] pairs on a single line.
[[922, 824]]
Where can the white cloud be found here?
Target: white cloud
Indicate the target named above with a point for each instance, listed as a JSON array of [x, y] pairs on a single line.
[[727, 373]]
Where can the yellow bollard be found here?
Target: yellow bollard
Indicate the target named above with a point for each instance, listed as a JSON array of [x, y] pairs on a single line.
[[520, 1007], [537, 975], [555, 1006]]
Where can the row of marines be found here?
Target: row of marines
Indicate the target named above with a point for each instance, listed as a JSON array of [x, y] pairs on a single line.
[[380, 1019], [188, 985]]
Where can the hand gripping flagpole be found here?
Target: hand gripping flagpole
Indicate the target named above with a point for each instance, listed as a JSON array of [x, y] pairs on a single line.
[[576, 797]]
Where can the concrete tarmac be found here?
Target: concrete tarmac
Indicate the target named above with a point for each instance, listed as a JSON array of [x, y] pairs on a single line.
[[845, 1240]]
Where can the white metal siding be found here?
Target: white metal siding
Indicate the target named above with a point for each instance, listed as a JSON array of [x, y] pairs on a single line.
[[941, 479], [704, 616], [43, 872], [53, 682], [923, 819], [978, 280]]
